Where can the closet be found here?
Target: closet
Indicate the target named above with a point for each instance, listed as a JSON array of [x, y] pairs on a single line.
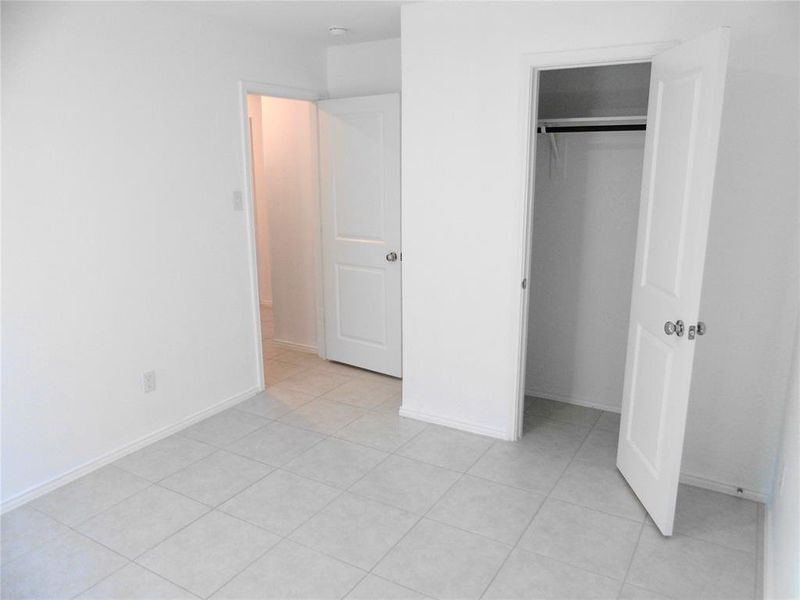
[[590, 146]]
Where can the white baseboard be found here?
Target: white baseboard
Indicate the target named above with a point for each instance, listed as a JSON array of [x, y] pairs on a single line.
[[767, 588], [86, 468], [295, 346], [454, 423], [570, 399], [726, 488]]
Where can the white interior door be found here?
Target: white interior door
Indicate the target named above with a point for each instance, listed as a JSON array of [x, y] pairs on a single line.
[[359, 147], [686, 89]]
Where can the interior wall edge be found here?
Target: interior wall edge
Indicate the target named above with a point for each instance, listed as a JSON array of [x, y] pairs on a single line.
[[108, 458]]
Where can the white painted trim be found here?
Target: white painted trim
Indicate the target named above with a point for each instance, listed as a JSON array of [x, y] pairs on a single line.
[[767, 577], [294, 346], [724, 488], [86, 468], [262, 89], [529, 66], [454, 423], [569, 399]]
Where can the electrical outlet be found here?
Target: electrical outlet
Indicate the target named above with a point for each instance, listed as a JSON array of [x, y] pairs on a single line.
[[149, 381], [237, 200]]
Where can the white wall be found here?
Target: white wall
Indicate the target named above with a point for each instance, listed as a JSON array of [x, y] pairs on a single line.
[[604, 91], [121, 251], [462, 207], [364, 69], [289, 137], [260, 200], [782, 555], [584, 240]]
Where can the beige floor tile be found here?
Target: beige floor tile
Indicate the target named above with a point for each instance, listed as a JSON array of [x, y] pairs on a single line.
[[322, 416], [685, 567], [717, 518], [356, 530], [582, 537], [274, 402], [83, 498], [133, 582], [276, 444], [443, 562], [208, 553], [447, 448], [529, 575], [142, 521], [513, 464], [405, 483], [336, 462], [293, 571], [491, 509], [600, 487], [280, 502], [60, 568], [373, 588], [382, 431], [364, 393], [216, 478], [164, 457], [23, 529], [314, 382], [225, 427]]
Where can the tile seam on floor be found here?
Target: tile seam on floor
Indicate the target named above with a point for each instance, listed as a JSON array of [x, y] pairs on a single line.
[[281, 536], [633, 555], [533, 517]]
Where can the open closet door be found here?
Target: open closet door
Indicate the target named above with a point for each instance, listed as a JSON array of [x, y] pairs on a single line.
[[359, 149], [686, 89]]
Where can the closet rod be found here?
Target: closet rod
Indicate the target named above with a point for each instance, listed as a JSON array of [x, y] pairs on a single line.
[[591, 128]]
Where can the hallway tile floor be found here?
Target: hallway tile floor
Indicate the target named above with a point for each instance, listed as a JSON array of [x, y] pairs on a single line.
[[318, 489]]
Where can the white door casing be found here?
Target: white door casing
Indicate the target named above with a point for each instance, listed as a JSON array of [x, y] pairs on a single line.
[[686, 90], [359, 148]]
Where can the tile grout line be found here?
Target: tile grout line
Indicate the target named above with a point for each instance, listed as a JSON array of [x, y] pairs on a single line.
[[533, 517], [633, 555]]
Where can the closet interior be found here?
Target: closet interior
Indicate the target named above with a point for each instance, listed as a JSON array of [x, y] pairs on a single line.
[[589, 150]]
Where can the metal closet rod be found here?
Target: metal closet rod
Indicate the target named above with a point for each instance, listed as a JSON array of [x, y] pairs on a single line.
[[590, 128], [589, 124]]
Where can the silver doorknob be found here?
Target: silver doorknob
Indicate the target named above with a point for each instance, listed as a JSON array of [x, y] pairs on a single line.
[[677, 327], [391, 257], [700, 329]]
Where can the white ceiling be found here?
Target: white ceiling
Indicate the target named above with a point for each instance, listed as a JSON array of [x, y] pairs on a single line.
[[308, 21]]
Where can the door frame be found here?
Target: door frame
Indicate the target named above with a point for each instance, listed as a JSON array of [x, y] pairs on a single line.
[[530, 66], [278, 91]]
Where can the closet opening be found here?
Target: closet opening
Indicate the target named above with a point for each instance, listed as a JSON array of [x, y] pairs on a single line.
[[587, 138]]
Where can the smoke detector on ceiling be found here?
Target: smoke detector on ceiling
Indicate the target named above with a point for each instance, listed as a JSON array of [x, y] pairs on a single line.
[[338, 30]]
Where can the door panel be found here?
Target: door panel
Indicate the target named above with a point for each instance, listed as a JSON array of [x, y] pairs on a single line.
[[360, 207], [686, 89]]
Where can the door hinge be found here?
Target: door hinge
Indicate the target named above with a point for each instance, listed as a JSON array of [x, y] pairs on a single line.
[[524, 283]]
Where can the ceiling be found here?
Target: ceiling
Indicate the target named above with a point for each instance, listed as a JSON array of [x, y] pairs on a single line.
[[308, 21]]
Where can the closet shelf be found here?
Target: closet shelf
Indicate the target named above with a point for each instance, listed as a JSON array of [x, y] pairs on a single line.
[[590, 124]]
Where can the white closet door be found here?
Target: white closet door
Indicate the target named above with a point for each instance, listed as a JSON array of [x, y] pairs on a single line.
[[686, 89], [359, 145]]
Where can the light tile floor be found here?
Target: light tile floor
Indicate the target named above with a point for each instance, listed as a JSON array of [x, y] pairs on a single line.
[[318, 489]]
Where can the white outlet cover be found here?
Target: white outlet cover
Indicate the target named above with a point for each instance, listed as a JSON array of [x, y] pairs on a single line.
[[148, 381]]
